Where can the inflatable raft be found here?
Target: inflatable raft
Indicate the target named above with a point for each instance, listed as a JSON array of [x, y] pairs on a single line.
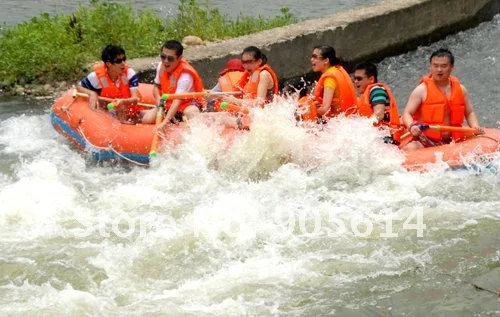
[[456, 155], [104, 136]]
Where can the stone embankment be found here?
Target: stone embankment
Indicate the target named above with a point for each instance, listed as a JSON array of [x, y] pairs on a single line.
[[373, 32]]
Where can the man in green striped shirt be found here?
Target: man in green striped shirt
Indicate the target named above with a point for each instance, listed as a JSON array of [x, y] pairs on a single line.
[[365, 74], [376, 101]]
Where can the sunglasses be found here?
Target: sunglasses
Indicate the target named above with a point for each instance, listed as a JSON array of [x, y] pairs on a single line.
[[248, 61], [119, 60], [358, 78], [169, 58]]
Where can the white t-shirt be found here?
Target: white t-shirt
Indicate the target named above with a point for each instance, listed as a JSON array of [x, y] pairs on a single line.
[[185, 83]]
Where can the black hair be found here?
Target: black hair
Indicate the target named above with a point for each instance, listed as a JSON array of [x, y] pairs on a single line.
[[256, 53], [110, 52], [174, 46], [369, 68], [328, 52], [443, 52]]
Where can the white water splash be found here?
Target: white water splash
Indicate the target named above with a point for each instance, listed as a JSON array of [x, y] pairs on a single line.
[[249, 226]]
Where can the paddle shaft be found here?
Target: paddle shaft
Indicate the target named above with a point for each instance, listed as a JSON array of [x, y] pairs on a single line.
[[442, 128], [159, 118], [446, 128], [81, 94], [186, 95]]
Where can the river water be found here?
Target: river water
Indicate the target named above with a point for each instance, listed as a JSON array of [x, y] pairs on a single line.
[[280, 222], [14, 11]]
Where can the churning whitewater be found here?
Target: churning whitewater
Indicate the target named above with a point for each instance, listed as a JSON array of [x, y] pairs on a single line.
[[278, 220]]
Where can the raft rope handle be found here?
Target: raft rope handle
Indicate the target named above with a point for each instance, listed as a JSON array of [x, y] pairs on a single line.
[[487, 137], [109, 148], [90, 143], [65, 108], [487, 155], [126, 158]]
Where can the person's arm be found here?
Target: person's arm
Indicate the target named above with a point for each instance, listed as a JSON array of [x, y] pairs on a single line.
[[414, 101], [470, 113], [134, 96], [237, 101], [93, 96], [265, 83], [90, 86], [211, 100], [171, 111], [327, 101], [379, 100], [184, 84], [329, 87], [379, 111]]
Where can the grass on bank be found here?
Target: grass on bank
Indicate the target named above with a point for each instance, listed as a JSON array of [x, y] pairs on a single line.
[[58, 48]]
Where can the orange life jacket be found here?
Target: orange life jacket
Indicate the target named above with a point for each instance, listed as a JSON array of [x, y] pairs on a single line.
[[229, 81], [365, 109], [436, 106], [346, 102], [250, 83], [307, 109], [168, 84], [109, 87]]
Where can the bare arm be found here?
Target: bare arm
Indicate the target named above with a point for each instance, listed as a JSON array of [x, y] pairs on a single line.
[[173, 107], [233, 100], [327, 101], [172, 111], [379, 111], [185, 84], [470, 113], [134, 98], [414, 101], [265, 83], [93, 96], [81, 89]]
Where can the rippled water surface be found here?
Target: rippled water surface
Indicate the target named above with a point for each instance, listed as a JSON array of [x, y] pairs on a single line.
[[15, 11]]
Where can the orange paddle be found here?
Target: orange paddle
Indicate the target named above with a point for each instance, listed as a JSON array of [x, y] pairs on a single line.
[[446, 128], [186, 95], [81, 94], [206, 94]]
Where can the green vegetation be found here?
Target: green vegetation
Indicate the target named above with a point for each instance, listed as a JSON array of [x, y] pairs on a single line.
[[55, 48]]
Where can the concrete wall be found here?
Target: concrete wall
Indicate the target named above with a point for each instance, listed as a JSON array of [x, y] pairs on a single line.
[[387, 28]]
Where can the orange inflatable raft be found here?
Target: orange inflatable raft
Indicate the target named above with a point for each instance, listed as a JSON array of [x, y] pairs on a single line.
[[106, 138], [102, 135], [455, 155]]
